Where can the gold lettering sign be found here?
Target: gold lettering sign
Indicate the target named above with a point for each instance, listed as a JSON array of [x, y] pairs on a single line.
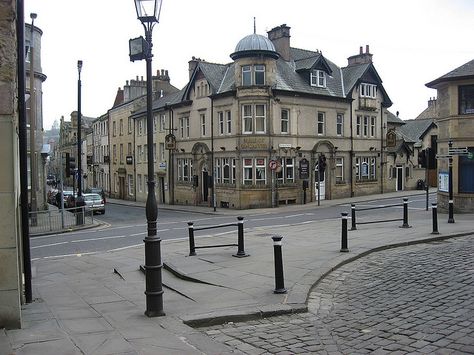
[[249, 143]]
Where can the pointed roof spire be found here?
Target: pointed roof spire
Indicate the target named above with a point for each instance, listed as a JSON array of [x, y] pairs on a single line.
[[254, 26]]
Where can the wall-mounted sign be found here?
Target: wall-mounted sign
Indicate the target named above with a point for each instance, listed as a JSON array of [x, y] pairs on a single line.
[[391, 138], [304, 169], [249, 143], [443, 182]]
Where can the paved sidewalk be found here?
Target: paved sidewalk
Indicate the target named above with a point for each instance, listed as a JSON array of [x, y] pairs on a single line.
[[94, 304]]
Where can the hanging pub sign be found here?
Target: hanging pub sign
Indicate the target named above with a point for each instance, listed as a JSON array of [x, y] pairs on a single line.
[[304, 169], [170, 142], [391, 138]]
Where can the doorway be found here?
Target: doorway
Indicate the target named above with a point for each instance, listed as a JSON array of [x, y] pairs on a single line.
[[321, 188], [399, 178], [205, 185]]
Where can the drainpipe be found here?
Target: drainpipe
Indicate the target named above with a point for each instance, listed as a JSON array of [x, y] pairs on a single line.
[[212, 156], [352, 153], [381, 149], [20, 32]]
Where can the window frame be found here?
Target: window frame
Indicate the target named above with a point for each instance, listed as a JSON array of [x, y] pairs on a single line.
[[465, 101], [321, 123], [285, 121], [368, 90], [318, 78], [339, 124]]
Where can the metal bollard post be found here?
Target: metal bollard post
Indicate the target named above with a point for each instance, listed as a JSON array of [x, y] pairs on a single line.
[[344, 248], [192, 248], [405, 213], [279, 281], [353, 217], [434, 208], [240, 241]]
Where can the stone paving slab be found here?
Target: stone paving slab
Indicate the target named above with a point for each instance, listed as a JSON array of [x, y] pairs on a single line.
[[100, 296]]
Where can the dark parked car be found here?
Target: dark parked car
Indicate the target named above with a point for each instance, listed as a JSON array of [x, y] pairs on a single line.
[[96, 190]]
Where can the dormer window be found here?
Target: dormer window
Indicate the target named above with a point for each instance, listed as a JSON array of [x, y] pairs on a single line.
[[368, 90], [253, 75], [318, 78]]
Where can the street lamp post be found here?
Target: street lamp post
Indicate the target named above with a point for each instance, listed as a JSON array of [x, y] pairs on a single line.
[[33, 161], [148, 12], [80, 199], [450, 185]]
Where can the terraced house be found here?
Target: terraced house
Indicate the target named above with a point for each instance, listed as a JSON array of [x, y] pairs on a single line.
[[252, 133]]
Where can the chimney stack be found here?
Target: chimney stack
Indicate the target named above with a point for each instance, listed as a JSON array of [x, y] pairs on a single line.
[[361, 58], [192, 65], [280, 36]]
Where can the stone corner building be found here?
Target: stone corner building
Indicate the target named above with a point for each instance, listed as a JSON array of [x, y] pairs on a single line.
[[250, 133], [455, 119], [10, 232]]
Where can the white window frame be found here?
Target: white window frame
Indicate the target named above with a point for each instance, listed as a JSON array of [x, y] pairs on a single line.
[[372, 126], [139, 183], [247, 171], [185, 169], [358, 125], [369, 173], [287, 173], [162, 122], [285, 121], [339, 124], [260, 119], [259, 74], [229, 122], [366, 126], [203, 124], [320, 123], [318, 78], [247, 119], [220, 116], [130, 184], [339, 173], [368, 90], [246, 75]]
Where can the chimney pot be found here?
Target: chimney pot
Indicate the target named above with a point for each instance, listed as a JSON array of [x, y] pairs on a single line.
[[367, 49], [361, 50], [397, 113]]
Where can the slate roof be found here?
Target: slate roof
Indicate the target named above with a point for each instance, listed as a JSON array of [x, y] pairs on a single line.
[[414, 130], [294, 76], [463, 72], [393, 119]]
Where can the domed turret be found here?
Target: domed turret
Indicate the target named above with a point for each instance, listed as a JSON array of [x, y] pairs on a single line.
[[254, 45]]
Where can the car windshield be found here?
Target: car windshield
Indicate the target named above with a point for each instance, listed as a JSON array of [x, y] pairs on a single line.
[[92, 197]]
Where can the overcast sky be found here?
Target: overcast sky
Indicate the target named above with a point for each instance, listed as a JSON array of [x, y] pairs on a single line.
[[412, 42]]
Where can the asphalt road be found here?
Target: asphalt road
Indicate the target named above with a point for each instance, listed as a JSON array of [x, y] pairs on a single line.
[[125, 226]]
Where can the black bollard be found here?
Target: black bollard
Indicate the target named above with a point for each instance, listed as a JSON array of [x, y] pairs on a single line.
[[344, 248], [353, 217], [279, 281], [434, 208], [192, 248], [240, 240], [405, 213]]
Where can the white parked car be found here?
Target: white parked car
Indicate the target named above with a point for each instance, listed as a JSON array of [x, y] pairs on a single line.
[[94, 202]]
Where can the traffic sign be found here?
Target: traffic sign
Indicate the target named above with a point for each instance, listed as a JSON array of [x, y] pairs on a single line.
[[458, 151], [273, 164], [443, 156]]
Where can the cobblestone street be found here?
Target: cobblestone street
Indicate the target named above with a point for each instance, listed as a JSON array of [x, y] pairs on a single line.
[[414, 299]]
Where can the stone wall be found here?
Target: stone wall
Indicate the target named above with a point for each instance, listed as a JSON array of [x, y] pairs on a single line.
[[10, 315]]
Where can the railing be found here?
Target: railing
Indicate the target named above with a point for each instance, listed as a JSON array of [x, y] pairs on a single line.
[[404, 219], [57, 220], [240, 237]]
